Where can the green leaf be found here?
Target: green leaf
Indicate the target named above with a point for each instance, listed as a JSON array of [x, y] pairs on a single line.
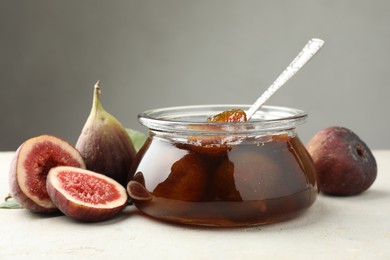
[[137, 138], [10, 203]]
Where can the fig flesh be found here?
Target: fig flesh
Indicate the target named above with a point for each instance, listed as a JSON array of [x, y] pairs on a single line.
[[345, 165], [104, 143], [30, 166], [233, 115], [85, 195]]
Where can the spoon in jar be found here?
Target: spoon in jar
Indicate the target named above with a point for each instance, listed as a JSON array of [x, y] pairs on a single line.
[[310, 49]]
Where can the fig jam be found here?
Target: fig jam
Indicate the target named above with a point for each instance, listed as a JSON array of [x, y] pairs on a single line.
[[224, 174]]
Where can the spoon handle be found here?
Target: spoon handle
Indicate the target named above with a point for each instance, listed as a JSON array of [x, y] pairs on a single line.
[[310, 49]]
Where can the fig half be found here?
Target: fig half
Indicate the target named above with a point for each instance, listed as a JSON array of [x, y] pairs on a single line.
[[85, 195], [30, 166]]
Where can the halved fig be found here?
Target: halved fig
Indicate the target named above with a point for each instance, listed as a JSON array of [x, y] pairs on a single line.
[[30, 166], [85, 195]]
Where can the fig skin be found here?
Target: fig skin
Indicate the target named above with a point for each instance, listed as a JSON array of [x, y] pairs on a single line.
[[136, 189], [104, 143], [187, 180], [345, 165], [30, 166], [238, 178], [72, 194], [137, 192]]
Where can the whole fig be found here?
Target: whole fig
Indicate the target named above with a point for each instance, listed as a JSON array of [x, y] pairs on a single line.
[[345, 165], [104, 143]]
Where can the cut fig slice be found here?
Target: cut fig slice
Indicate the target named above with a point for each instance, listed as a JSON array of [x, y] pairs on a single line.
[[85, 195], [30, 166]]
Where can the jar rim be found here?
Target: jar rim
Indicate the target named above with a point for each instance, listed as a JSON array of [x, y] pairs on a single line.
[[193, 119]]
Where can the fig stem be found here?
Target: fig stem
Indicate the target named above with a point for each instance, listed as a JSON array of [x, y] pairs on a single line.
[[96, 105], [8, 197]]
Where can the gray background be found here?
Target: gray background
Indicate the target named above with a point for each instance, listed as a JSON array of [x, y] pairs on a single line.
[[151, 54]]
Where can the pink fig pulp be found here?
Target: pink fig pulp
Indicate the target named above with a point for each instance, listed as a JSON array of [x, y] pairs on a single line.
[[30, 166]]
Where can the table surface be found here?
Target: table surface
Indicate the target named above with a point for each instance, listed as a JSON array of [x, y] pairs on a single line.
[[355, 227]]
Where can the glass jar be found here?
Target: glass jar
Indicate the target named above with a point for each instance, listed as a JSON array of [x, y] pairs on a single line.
[[223, 174]]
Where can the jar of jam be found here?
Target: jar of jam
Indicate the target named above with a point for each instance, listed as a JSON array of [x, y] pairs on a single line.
[[223, 174]]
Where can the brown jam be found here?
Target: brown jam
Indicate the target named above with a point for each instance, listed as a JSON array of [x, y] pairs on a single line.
[[232, 115], [255, 181]]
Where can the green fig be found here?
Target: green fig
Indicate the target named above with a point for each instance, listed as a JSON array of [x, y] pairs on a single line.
[[104, 143]]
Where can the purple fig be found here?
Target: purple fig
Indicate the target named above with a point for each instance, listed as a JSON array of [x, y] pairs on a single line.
[[104, 143], [345, 165]]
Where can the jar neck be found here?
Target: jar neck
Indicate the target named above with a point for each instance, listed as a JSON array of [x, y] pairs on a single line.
[[180, 124], [222, 138]]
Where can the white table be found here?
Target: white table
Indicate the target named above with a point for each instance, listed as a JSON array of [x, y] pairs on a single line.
[[339, 228]]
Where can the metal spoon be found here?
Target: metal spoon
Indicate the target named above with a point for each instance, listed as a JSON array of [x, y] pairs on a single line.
[[310, 49]]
